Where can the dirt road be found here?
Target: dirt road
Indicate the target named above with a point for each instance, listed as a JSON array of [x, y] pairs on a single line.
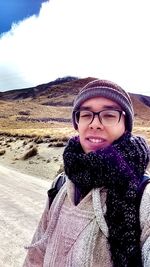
[[22, 199]]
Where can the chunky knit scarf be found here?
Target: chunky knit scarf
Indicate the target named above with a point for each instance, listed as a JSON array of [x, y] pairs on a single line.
[[119, 168]]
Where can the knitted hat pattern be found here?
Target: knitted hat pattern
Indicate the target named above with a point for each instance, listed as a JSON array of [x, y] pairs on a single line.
[[109, 90]]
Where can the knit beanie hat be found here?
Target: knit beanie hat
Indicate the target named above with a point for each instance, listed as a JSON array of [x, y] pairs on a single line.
[[108, 90]]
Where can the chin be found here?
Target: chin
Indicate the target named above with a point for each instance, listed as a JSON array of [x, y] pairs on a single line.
[[95, 148]]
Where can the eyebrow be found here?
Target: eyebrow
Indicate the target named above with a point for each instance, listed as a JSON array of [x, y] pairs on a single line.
[[103, 107]]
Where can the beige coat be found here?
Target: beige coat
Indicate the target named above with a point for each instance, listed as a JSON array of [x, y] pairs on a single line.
[[76, 236]]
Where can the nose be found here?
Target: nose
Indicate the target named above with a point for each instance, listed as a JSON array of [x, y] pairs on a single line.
[[96, 123]]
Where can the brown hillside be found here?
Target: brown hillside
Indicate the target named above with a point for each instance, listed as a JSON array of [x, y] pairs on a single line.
[[46, 110], [141, 111]]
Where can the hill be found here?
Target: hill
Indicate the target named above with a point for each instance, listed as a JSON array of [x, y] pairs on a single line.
[[46, 109]]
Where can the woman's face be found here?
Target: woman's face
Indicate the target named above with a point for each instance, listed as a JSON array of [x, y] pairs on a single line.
[[95, 135]]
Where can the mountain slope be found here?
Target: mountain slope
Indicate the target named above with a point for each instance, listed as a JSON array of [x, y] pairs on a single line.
[[49, 106]]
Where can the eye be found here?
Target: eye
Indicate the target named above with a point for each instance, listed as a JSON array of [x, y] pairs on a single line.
[[85, 114], [110, 114]]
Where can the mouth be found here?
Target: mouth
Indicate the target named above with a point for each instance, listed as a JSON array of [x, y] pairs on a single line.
[[93, 143], [96, 140]]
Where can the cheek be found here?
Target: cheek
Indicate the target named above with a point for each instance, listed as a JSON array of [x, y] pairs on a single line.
[[120, 132], [122, 126], [81, 129], [82, 133], [117, 131]]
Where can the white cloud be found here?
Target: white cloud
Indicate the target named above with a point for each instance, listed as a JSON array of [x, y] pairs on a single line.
[[99, 38]]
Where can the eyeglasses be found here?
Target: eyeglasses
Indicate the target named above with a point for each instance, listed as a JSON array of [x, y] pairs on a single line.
[[107, 117]]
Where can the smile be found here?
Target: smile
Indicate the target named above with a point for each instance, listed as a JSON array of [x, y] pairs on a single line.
[[96, 140]]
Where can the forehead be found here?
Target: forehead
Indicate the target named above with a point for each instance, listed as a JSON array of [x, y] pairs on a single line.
[[100, 102]]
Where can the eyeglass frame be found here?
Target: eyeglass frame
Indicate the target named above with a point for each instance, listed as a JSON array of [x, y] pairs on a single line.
[[121, 112]]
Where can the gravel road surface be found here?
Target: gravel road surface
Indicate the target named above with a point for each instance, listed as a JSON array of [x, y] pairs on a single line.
[[22, 200]]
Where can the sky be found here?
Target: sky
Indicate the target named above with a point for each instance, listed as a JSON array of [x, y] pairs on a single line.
[[41, 41]]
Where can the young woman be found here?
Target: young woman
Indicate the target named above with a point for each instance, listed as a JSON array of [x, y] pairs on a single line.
[[96, 218]]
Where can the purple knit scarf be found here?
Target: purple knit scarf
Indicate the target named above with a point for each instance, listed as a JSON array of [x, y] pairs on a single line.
[[119, 168]]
